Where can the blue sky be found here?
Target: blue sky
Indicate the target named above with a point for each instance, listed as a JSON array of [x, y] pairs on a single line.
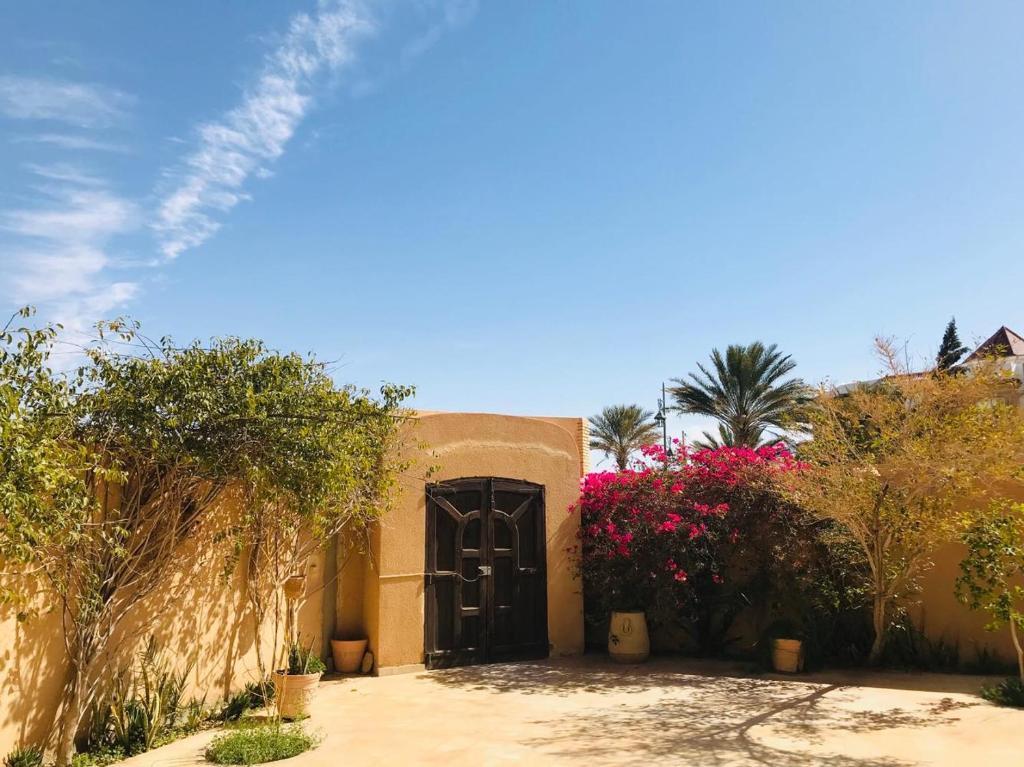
[[518, 207]]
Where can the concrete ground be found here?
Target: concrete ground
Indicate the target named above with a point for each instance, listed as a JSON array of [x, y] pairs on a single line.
[[588, 711]]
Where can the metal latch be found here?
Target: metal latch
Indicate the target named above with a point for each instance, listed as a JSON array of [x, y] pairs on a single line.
[[484, 570]]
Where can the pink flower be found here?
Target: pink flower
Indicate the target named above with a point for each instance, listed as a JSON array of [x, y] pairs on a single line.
[[680, 575]]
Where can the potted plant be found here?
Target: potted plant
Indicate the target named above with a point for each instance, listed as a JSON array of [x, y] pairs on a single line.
[[295, 684], [348, 654]]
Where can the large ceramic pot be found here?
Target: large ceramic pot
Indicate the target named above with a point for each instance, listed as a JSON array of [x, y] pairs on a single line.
[[293, 693], [788, 655], [627, 637], [348, 654]]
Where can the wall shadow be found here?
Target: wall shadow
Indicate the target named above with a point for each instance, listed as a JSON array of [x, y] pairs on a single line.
[[32, 672], [201, 619]]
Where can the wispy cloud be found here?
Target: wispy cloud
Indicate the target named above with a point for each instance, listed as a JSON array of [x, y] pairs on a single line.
[[86, 105], [56, 245], [453, 14], [73, 141], [62, 238], [237, 146]]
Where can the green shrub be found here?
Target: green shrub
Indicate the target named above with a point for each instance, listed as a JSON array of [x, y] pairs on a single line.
[[301, 660], [98, 757], [261, 693], [24, 756], [262, 743], [236, 705], [254, 695], [193, 714], [143, 707], [988, 663], [1009, 692], [908, 647]]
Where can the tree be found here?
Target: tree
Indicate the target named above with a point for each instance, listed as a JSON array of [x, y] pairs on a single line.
[[141, 445], [951, 350], [620, 430], [893, 462], [993, 569], [348, 459], [745, 392]]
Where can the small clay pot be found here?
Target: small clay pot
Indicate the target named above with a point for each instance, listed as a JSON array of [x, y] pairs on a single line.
[[348, 654]]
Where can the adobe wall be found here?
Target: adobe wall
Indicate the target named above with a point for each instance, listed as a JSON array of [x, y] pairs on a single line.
[[209, 625], [386, 588]]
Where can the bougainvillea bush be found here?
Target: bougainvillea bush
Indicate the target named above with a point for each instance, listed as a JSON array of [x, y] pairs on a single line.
[[695, 538]]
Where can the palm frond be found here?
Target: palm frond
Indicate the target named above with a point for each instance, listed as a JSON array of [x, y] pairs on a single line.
[[745, 392]]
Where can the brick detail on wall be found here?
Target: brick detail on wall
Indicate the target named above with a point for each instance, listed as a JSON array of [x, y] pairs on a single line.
[[583, 441]]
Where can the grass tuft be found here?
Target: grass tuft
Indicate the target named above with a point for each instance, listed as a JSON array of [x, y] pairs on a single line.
[[259, 744]]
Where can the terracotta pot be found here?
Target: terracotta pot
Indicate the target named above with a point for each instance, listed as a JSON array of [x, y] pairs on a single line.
[[788, 655], [293, 693], [627, 637], [348, 654]]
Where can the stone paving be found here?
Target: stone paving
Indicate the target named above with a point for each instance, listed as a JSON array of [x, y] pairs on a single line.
[[588, 711]]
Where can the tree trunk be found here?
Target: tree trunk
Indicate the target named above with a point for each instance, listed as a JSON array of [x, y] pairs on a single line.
[[878, 623], [1017, 646], [72, 714], [878, 579], [622, 460]]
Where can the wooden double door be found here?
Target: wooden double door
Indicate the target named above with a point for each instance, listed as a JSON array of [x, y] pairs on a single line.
[[486, 580]]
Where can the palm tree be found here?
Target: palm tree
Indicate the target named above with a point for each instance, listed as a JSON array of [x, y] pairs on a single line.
[[744, 393], [711, 442], [621, 429]]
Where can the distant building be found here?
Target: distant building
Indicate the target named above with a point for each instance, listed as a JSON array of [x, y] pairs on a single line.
[[1005, 345]]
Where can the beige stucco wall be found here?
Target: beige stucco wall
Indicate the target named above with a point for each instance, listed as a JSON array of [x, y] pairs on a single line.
[[936, 611], [389, 583], [209, 625]]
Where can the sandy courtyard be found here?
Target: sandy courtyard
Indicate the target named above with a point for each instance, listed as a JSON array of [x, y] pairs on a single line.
[[588, 711]]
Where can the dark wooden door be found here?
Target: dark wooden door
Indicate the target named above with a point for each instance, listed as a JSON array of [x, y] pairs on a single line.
[[486, 581]]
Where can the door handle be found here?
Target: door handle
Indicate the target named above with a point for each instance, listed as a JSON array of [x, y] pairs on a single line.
[[484, 570]]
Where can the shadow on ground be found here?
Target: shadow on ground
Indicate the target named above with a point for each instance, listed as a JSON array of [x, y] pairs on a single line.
[[699, 718]]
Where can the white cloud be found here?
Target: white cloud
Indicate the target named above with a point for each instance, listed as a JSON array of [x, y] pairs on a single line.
[[63, 171], [55, 248], [240, 144], [86, 105], [74, 142], [55, 245], [61, 241]]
